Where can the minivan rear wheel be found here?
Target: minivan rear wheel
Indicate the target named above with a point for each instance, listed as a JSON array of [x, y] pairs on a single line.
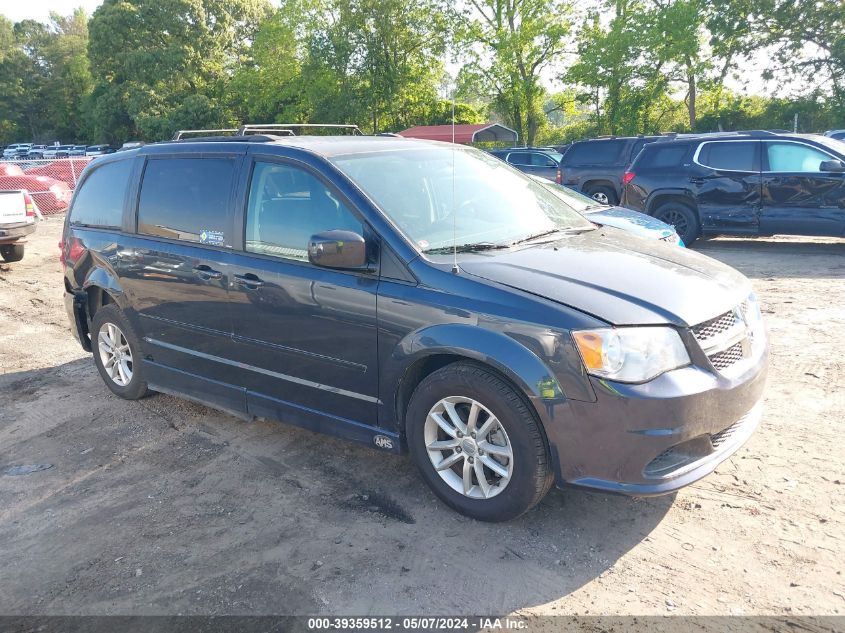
[[682, 217], [477, 444], [117, 353]]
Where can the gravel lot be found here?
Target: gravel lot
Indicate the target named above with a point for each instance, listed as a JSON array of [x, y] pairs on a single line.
[[163, 506]]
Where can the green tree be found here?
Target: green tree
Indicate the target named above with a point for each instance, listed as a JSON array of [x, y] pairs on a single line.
[[377, 63], [149, 56], [519, 39]]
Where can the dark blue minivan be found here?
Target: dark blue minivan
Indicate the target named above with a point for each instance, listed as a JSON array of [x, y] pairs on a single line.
[[414, 296]]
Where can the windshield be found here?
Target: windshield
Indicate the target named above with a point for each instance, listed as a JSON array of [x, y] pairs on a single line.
[[493, 204]]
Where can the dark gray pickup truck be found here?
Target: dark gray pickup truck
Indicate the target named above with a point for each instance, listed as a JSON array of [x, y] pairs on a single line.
[[596, 166]]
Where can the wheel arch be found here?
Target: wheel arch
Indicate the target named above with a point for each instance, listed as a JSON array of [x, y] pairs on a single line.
[[662, 196], [599, 182], [425, 351], [102, 288]]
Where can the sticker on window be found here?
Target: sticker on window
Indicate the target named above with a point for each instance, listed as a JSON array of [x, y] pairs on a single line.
[[215, 238]]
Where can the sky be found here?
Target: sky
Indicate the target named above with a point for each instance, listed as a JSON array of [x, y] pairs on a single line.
[[17, 10]]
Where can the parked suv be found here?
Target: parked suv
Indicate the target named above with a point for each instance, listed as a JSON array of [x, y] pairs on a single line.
[[537, 161], [414, 296], [596, 166], [750, 183]]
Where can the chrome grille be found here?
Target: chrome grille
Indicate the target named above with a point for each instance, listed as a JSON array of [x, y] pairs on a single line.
[[722, 337], [714, 327], [726, 358]]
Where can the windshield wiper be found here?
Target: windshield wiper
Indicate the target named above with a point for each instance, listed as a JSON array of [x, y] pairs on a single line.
[[536, 236], [472, 247]]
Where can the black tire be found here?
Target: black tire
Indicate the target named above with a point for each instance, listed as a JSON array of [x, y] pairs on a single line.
[[681, 216], [603, 194], [12, 252], [531, 475], [136, 387]]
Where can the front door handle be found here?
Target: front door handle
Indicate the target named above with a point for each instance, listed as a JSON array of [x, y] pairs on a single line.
[[207, 272], [697, 181], [248, 281]]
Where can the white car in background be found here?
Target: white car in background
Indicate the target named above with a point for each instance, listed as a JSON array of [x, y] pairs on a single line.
[[17, 220]]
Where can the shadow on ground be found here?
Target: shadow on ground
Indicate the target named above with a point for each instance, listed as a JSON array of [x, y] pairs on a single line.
[[164, 506]]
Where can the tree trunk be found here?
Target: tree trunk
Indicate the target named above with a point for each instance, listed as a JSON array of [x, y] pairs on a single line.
[[691, 95]]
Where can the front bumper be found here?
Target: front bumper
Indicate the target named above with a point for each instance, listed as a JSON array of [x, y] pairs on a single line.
[[657, 437], [14, 232]]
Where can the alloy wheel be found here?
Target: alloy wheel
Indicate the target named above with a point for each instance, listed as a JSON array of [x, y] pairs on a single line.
[[676, 219], [115, 354], [468, 447]]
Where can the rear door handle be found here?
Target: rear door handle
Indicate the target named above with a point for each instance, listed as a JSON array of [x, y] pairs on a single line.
[[207, 272], [249, 281]]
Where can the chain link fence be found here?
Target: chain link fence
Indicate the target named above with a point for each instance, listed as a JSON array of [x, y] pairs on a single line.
[[50, 182]]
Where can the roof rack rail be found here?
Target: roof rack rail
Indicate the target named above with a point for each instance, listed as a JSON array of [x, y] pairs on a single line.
[[288, 128], [270, 129], [181, 133]]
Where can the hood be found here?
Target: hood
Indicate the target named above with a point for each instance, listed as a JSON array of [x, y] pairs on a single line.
[[620, 278]]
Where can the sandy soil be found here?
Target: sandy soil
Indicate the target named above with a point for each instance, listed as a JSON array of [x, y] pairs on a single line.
[[163, 506]]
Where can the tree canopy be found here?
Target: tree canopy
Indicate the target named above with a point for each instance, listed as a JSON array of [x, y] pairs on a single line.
[[554, 70]]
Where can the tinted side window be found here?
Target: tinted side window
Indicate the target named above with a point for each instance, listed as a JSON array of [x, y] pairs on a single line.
[[662, 157], [99, 201], [187, 199], [519, 158], [594, 153], [734, 156], [541, 160], [286, 207], [793, 157]]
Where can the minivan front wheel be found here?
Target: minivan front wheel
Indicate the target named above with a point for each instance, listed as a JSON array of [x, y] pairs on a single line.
[[117, 353], [477, 444], [682, 217]]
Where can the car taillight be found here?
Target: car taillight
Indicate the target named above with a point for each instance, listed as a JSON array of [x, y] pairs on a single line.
[[77, 250], [628, 177], [30, 205], [558, 177]]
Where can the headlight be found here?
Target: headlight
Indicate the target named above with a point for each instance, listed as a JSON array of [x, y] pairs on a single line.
[[631, 354]]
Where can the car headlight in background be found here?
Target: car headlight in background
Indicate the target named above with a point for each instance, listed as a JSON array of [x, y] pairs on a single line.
[[631, 354]]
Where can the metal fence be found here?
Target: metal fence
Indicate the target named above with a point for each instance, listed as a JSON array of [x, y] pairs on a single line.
[[50, 182]]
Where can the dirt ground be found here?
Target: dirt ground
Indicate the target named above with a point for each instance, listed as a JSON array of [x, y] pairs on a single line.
[[165, 507]]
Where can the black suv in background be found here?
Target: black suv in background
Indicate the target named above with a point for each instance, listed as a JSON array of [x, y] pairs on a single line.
[[596, 166], [536, 161], [747, 183]]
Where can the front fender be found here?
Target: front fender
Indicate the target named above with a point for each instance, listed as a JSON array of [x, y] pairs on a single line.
[[529, 373]]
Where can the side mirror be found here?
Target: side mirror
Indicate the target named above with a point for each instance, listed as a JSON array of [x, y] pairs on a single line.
[[337, 249], [836, 166]]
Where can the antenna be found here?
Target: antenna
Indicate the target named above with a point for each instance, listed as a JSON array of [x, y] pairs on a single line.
[[455, 268]]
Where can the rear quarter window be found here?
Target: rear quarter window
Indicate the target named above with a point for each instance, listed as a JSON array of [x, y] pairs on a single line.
[[99, 200], [594, 153], [187, 199], [656, 157], [729, 155]]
